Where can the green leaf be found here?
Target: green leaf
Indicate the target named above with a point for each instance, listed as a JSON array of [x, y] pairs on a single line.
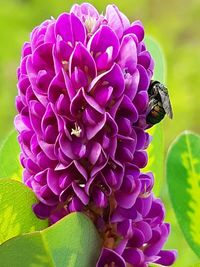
[[16, 215], [158, 56], [183, 177], [156, 156], [9, 158], [156, 148], [71, 242]]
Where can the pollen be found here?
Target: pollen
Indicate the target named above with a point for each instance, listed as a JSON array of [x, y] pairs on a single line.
[[76, 131], [65, 65]]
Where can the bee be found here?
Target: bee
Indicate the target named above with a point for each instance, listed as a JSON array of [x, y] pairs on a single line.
[[159, 103]]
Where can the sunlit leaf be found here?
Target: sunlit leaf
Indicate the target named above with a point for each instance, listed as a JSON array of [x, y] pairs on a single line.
[[159, 59], [156, 147], [71, 242], [183, 176], [16, 215], [156, 156], [9, 158]]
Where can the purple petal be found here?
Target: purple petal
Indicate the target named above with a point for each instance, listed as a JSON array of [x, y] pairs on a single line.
[[53, 181], [113, 174], [75, 205], [141, 101], [167, 257], [131, 83], [41, 210], [140, 158], [127, 58], [133, 256], [80, 193], [95, 152], [99, 198], [120, 214], [137, 29], [41, 59], [132, 173], [125, 228], [125, 149], [109, 82], [128, 110], [145, 228], [157, 241], [144, 78], [143, 205], [147, 181], [84, 10], [121, 246], [157, 212], [70, 28], [81, 58], [36, 112], [110, 257], [104, 49], [127, 200], [137, 239], [116, 20]]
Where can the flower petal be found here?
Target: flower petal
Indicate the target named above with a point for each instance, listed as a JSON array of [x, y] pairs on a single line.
[[110, 257], [116, 20], [104, 50]]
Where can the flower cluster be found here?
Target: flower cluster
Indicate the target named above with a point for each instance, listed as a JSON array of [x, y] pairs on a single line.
[[82, 103]]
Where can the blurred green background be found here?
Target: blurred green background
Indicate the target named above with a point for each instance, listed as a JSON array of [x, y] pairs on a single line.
[[174, 24]]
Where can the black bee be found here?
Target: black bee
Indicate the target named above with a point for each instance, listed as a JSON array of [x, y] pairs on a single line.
[[159, 103]]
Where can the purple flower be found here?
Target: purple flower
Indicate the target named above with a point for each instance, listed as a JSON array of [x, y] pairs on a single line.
[[82, 103]]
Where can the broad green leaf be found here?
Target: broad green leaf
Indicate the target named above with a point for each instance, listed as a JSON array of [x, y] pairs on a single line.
[[71, 242], [183, 177], [16, 215], [156, 147], [9, 158]]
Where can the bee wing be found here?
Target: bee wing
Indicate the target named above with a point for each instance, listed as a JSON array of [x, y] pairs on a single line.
[[166, 103], [152, 103]]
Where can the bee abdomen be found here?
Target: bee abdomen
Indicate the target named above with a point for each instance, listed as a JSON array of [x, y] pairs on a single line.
[[155, 115]]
